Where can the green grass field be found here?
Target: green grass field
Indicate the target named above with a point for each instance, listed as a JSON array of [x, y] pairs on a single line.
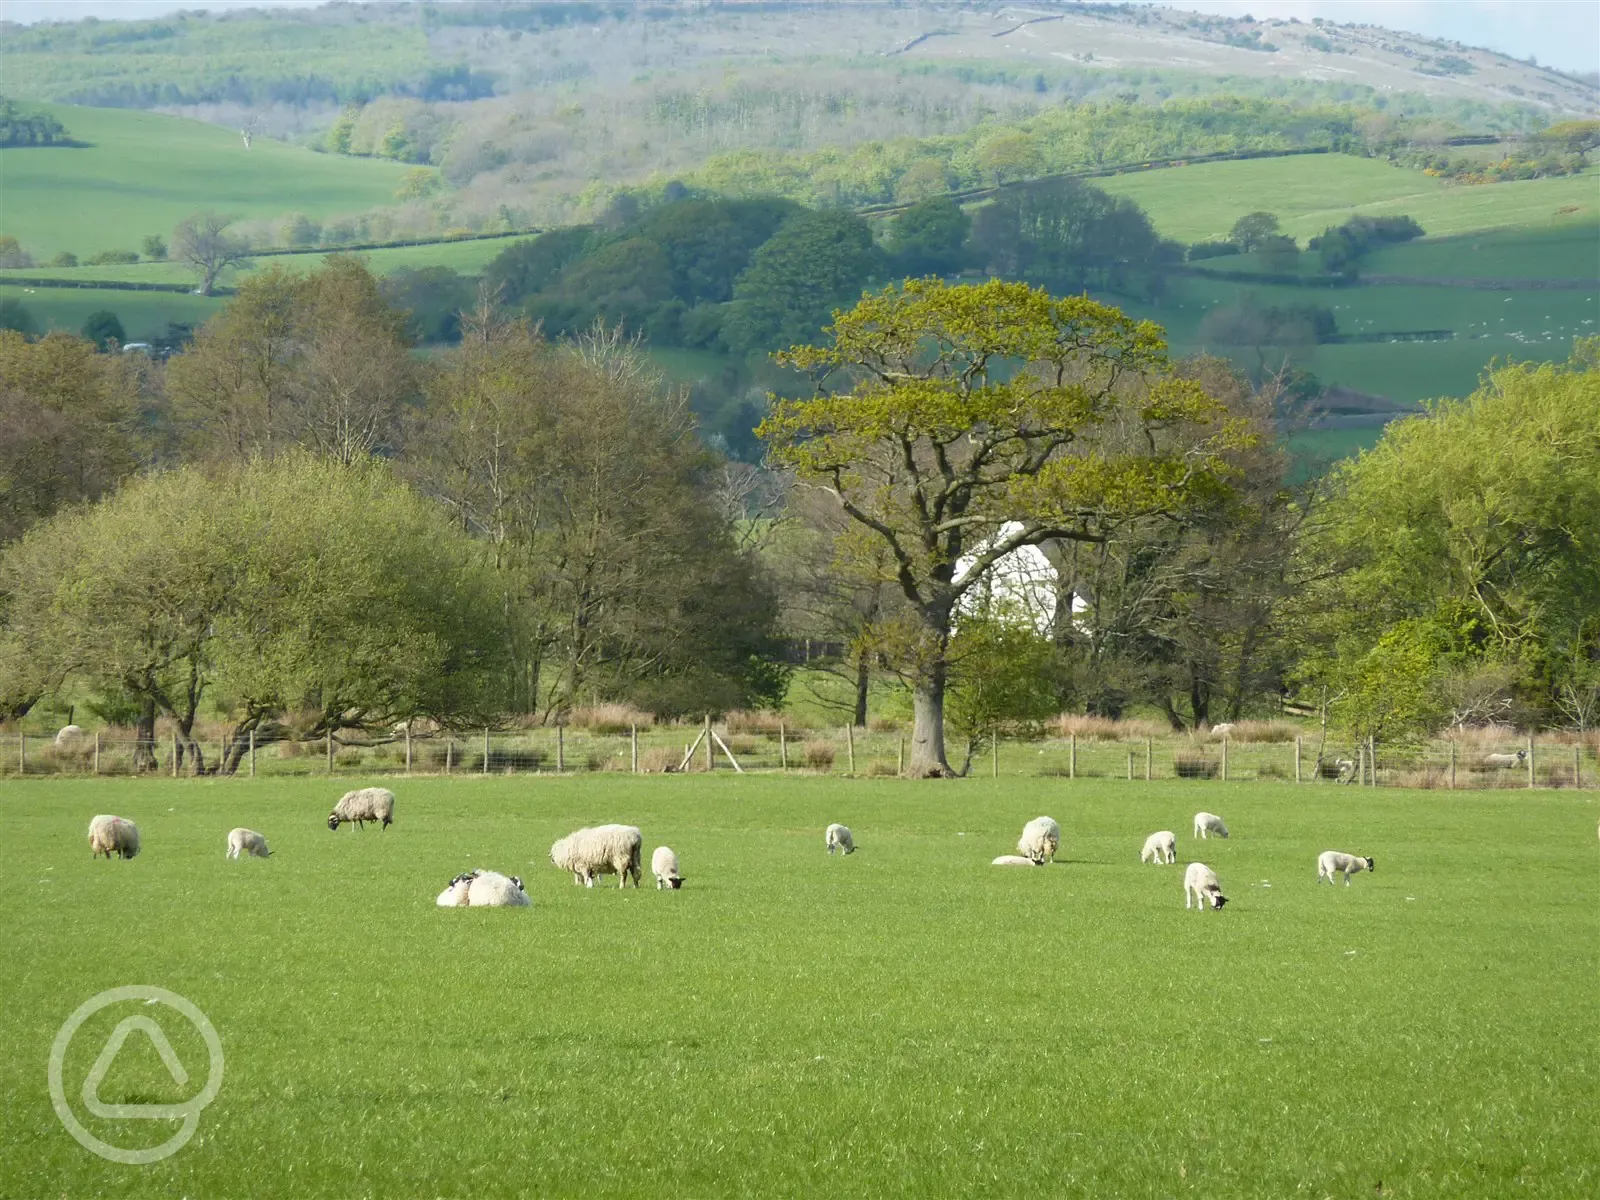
[[1311, 192], [1564, 251], [906, 1021], [144, 315], [144, 172]]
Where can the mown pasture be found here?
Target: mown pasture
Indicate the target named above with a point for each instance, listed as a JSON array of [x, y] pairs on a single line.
[[907, 1021], [141, 173]]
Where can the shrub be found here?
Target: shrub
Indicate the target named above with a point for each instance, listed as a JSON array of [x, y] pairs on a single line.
[[1263, 731], [659, 759], [885, 724], [1083, 725], [880, 769], [1195, 766], [819, 755], [609, 718], [108, 258]]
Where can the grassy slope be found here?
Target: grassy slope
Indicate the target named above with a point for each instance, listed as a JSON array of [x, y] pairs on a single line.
[[1310, 193], [144, 172], [144, 315], [908, 1019]]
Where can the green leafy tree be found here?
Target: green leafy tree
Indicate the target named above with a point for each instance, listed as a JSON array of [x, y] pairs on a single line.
[[929, 238], [15, 316], [204, 243], [526, 267], [956, 424], [154, 247], [103, 328], [1250, 230]]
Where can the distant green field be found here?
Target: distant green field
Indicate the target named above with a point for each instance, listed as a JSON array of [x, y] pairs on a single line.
[[1311, 192], [144, 172], [144, 315], [1564, 251], [906, 1021]]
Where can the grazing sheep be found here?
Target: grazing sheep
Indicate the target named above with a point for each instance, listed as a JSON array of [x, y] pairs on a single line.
[[1332, 862], [1200, 882], [1205, 824], [110, 835], [1502, 761], [1016, 860], [1041, 838], [1160, 848], [67, 735], [664, 866], [484, 889], [603, 850], [1222, 730], [1346, 770], [363, 805], [838, 838], [249, 842]]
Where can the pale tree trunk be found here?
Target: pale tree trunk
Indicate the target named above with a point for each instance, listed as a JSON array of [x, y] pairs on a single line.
[[928, 759], [144, 736]]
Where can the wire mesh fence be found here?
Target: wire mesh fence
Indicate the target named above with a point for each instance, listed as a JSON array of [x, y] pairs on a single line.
[[1553, 761]]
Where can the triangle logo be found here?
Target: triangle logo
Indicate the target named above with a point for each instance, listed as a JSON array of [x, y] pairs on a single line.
[[102, 1065]]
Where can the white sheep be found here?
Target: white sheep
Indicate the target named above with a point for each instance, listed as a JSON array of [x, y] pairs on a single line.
[[67, 735], [1332, 862], [1016, 860], [248, 842], [1041, 838], [110, 835], [1205, 824], [603, 850], [664, 866], [484, 889], [363, 805], [1200, 882], [1502, 761], [1160, 848], [1222, 730], [838, 838]]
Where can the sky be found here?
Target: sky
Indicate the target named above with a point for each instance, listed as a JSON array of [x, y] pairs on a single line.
[[1559, 33]]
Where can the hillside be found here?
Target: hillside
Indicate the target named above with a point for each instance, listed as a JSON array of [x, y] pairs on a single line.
[[141, 173]]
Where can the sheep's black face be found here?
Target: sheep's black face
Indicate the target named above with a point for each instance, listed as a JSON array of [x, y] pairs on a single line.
[[676, 883], [517, 883], [1371, 866], [1218, 900], [333, 820]]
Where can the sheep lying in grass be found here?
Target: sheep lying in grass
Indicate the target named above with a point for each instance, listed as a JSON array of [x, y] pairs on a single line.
[[1502, 761], [1205, 824], [484, 889], [1332, 862], [838, 838], [1041, 838], [247, 842], [67, 736], [110, 835], [603, 850], [1017, 860], [1160, 848], [1200, 882], [664, 866], [363, 805]]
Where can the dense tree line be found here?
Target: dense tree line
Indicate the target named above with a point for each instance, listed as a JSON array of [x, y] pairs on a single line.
[[18, 127]]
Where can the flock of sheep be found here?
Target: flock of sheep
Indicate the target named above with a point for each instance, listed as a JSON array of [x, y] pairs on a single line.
[[590, 854]]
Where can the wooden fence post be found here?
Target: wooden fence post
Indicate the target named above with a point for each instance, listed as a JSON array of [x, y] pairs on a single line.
[[408, 747], [900, 755], [1372, 758], [711, 758], [1532, 777], [994, 755], [1577, 765], [22, 754], [1224, 758], [1072, 756], [1130, 766], [1297, 760], [850, 747], [97, 752], [561, 749], [252, 754], [1452, 764], [449, 751], [1149, 755], [485, 749], [633, 744], [1361, 764], [783, 748], [174, 753]]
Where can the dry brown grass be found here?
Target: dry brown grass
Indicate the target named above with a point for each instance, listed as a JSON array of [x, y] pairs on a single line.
[[885, 724], [1104, 729], [819, 755], [656, 760], [1264, 731], [609, 718], [758, 722], [1188, 765]]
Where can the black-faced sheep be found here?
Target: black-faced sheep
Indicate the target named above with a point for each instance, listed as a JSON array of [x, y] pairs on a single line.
[[1502, 761], [1200, 883], [1041, 838], [664, 866], [1333, 862], [484, 889], [363, 805], [838, 837]]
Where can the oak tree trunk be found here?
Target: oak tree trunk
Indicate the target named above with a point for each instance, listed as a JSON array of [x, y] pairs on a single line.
[[928, 759]]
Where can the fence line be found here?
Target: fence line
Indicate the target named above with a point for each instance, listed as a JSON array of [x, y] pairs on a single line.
[[845, 750]]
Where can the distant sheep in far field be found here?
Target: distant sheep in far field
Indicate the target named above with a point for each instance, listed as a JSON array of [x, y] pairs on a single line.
[[1222, 730], [110, 835], [1041, 838], [1205, 824], [1160, 848], [363, 805], [839, 838], [247, 842]]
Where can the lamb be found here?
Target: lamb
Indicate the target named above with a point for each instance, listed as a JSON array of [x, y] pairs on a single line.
[[664, 866], [1332, 862], [1016, 860], [603, 850], [67, 735], [1200, 882], [1503, 761], [1205, 824], [110, 835], [363, 805], [484, 889], [1160, 848], [248, 842], [1041, 838], [838, 838]]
